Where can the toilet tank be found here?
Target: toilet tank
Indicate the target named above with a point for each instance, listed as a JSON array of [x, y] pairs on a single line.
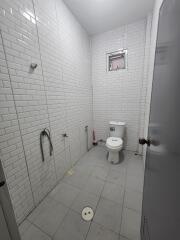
[[116, 129]]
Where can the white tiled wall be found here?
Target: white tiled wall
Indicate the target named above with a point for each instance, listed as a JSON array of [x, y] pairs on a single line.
[[119, 95], [57, 95], [77, 80], [145, 79], [12, 152]]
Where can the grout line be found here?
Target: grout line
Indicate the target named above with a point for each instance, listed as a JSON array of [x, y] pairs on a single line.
[[17, 114], [36, 226], [64, 93], [57, 202], [122, 205], [124, 237], [44, 84], [136, 211], [94, 212], [100, 196], [123, 198], [61, 222], [46, 196]]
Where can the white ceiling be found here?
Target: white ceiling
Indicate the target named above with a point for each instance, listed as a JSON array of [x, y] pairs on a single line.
[[102, 15]]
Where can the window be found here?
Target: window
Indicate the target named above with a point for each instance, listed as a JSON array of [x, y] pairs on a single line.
[[117, 60]]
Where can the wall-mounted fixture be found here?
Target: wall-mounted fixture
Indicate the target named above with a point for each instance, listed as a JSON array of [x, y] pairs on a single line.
[[117, 60], [33, 66], [64, 135], [45, 133]]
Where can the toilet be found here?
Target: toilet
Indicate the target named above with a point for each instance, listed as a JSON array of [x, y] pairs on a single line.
[[114, 142]]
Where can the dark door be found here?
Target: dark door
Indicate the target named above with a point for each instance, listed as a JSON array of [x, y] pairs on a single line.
[[161, 201]]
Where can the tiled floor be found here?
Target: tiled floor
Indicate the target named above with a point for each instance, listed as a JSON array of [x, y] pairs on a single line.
[[113, 191]]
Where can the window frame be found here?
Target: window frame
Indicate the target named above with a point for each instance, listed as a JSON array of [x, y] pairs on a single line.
[[114, 53]]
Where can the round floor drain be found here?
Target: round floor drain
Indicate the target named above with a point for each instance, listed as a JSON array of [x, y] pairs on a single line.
[[87, 214]]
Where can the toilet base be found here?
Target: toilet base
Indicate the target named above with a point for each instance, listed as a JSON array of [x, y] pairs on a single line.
[[113, 157]]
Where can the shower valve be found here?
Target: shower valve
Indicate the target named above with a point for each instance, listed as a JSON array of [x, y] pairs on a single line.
[[64, 135], [33, 66]]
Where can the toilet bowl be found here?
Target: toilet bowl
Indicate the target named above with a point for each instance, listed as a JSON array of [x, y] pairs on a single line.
[[114, 146], [114, 142]]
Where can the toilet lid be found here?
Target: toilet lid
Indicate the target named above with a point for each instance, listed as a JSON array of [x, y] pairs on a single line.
[[114, 142]]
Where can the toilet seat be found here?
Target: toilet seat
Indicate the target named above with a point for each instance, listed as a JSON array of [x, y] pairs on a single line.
[[114, 143]]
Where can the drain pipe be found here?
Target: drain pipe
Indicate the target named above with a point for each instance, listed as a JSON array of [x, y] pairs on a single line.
[[87, 137]]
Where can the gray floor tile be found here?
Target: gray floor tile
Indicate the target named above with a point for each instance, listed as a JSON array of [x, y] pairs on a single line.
[[135, 158], [77, 179], [108, 214], [85, 199], [121, 167], [73, 227], [136, 162], [94, 185], [98, 156], [24, 227], [122, 238], [117, 177], [84, 168], [129, 155], [130, 227], [134, 183], [113, 192], [40, 208], [100, 172], [34, 233], [48, 216], [99, 162], [133, 200], [98, 232], [98, 152], [63, 234], [135, 172], [65, 193], [135, 168]]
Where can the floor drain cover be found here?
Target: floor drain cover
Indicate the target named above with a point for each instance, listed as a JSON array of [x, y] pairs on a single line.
[[87, 214]]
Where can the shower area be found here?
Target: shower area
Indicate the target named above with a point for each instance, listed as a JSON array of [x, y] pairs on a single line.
[[45, 95]]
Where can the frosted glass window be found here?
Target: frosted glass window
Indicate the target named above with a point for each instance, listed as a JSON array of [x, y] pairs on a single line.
[[117, 60]]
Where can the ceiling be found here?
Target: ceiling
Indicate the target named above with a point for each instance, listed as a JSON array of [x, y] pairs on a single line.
[[98, 16]]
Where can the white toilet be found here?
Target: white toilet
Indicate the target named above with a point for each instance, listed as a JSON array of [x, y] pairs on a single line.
[[114, 143]]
